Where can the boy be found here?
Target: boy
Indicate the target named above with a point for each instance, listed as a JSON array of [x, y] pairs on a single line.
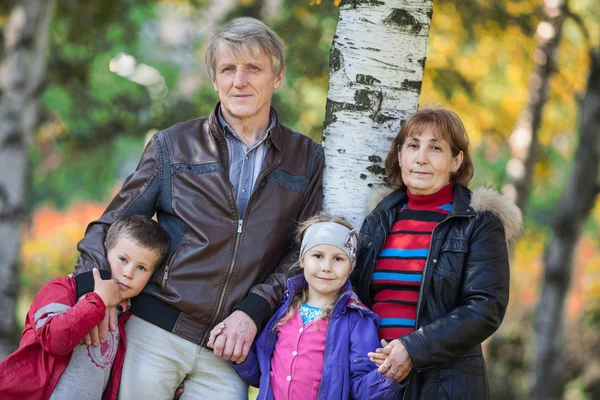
[[50, 362]]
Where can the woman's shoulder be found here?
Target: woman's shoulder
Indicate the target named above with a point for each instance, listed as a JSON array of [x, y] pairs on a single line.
[[488, 202]]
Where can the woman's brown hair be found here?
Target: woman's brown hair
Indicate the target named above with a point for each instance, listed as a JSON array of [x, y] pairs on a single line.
[[446, 125]]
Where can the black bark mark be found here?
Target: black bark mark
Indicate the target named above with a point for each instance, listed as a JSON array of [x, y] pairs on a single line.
[[403, 20], [413, 86], [366, 79], [355, 3], [336, 59]]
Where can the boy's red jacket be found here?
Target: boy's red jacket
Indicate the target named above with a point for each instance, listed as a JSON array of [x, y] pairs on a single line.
[[55, 324]]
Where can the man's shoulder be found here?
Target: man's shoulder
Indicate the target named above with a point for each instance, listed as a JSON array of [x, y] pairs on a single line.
[[298, 147], [290, 133]]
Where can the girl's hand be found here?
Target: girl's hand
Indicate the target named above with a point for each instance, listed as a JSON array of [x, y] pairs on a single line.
[[398, 364], [216, 331], [379, 355]]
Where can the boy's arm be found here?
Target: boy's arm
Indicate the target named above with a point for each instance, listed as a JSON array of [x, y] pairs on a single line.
[[366, 382], [59, 322]]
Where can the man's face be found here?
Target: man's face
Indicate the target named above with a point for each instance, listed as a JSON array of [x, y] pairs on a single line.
[[245, 86]]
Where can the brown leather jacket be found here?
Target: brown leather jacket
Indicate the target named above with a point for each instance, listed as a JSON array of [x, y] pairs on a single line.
[[217, 261]]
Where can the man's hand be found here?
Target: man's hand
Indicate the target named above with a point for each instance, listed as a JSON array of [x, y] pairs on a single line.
[[398, 363], [234, 342]]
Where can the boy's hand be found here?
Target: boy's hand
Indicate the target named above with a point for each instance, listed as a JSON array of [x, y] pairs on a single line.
[[216, 331], [107, 290]]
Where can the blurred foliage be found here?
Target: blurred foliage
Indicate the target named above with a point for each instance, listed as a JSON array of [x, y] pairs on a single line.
[[479, 60]]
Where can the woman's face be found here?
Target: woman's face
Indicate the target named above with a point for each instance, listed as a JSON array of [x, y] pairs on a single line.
[[426, 162]]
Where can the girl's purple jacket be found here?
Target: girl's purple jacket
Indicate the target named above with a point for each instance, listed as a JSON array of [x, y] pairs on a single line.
[[347, 371]]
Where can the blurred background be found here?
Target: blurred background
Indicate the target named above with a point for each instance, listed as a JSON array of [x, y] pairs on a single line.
[[118, 71]]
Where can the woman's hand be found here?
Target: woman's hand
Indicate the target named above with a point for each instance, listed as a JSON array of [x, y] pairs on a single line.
[[397, 364]]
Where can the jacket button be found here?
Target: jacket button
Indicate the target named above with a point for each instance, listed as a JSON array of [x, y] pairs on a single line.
[[178, 167], [294, 353], [289, 378], [435, 261]]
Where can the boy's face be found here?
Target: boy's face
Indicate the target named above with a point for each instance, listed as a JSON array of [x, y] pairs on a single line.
[[131, 266]]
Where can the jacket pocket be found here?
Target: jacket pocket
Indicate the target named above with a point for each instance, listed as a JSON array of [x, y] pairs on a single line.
[[452, 258]]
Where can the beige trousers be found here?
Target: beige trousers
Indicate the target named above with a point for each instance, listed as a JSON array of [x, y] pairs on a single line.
[[157, 361]]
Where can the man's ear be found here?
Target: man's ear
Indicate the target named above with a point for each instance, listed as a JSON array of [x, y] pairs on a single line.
[[279, 80]]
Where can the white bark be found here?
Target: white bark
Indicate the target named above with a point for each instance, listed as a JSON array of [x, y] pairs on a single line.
[[376, 69], [21, 76]]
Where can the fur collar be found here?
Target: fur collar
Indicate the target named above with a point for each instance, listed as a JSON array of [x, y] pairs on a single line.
[[483, 200]]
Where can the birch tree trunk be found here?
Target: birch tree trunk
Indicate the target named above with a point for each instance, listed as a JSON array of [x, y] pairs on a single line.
[[523, 141], [21, 77], [376, 69], [573, 209]]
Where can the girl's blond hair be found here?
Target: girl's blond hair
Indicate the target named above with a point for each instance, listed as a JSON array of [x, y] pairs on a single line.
[[301, 297]]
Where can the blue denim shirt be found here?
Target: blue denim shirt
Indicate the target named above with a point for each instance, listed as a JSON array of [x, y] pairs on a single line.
[[244, 163]]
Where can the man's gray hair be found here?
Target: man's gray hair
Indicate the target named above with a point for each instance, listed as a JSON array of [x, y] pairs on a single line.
[[245, 35]]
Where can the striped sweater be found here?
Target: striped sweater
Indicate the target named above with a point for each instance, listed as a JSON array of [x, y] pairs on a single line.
[[398, 273]]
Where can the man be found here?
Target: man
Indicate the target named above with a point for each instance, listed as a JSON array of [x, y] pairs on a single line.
[[229, 189]]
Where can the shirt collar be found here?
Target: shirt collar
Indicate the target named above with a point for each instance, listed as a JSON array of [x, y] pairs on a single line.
[[227, 129]]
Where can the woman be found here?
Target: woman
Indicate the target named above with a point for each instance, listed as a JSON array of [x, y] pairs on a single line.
[[433, 262]]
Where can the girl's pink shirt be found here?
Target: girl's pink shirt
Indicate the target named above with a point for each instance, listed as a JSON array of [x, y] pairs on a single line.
[[298, 359]]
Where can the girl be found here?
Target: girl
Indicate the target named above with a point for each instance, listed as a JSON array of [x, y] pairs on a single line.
[[316, 344]]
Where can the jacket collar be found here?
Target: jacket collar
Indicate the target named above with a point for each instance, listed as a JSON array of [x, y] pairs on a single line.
[[465, 203], [217, 130], [460, 203]]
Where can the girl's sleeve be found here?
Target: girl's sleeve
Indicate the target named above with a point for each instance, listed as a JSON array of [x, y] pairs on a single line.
[[249, 370], [61, 323], [365, 380]]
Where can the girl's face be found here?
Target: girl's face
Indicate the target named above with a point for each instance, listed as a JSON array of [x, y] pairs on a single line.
[[326, 269]]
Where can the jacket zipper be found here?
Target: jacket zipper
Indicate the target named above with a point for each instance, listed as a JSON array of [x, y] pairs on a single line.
[[421, 291], [168, 267], [239, 230], [425, 269], [230, 269]]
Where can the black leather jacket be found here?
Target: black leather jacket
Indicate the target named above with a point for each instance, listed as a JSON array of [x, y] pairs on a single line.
[[463, 296]]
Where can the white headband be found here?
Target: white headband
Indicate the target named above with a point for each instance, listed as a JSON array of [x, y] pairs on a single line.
[[333, 234]]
